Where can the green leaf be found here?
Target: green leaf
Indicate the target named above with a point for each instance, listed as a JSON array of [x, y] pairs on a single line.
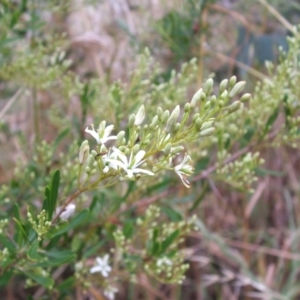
[[128, 229], [169, 240], [267, 172], [16, 212], [21, 234], [93, 249], [5, 278], [270, 122], [47, 199], [60, 137], [79, 218], [40, 279], [66, 284], [171, 213], [32, 252], [57, 258], [7, 243], [53, 193]]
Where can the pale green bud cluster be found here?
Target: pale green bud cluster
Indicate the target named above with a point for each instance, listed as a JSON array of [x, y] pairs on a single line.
[[167, 266], [240, 173], [4, 254], [3, 224], [41, 225]]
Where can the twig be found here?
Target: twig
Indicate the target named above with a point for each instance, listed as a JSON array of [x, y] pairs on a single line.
[[277, 15], [10, 102]]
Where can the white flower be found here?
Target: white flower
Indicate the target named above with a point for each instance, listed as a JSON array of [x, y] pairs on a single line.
[[164, 261], [102, 266], [110, 160], [102, 133], [68, 212], [184, 169], [140, 116], [131, 166], [110, 292]]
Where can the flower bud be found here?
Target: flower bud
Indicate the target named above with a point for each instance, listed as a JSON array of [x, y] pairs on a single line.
[[221, 103], [207, 125], [154, 122], [159, 111], [224, 95], [177, 127], [91, 160], [165, 116], [207, 104], [213, 100], [237, 89], [245, 97], [173, 118], [202, 96], [131, 120], [87, 170], [207, 132], [136, 148], [84, 152], [103, 149], [140, 116], [195, 117], [94, 153], [232, 82], [196, 98], [177, 149], [208, 86], [198, 123], [223, 85], [120, 137], [187, 107], [234, 106], [168, 148]]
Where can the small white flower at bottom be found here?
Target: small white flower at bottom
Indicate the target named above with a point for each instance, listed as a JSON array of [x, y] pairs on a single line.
[[102, 266], [110, 292]]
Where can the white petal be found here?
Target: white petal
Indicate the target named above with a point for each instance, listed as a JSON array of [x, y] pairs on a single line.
[[95, 269], [140, 116], [122, 156], [139, 156], [93, 133], [108, 130], [137, 170]]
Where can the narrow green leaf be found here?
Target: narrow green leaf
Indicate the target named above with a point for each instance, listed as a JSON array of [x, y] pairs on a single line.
[[7, 243], [21, 234], [46, 200], [40, 279], [171, 213], [60, 137], [66, 284], [91, 251], [270, 122], [16, 212], [169, 240], [58, 258], [53, 194], [32, 252], [5, 278], [79, 218]]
